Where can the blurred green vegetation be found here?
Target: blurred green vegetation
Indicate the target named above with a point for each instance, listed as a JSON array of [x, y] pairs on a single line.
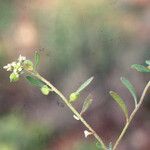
[[7, 14], [86, 146], [17, 134], [76, 34]]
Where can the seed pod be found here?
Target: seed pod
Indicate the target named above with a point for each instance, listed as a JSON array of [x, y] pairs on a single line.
[[73, 97], [45, 90]]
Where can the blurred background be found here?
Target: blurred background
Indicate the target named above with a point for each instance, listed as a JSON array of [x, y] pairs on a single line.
[[76, 39]]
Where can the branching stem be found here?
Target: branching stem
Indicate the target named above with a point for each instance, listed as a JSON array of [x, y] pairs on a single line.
[[99, 139], [72, 109], [132, 116]]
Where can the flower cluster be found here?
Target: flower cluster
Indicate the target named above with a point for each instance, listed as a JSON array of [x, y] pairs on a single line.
[[16, 67]]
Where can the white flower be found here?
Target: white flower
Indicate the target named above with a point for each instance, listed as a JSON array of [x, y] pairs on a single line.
[[15, 71], [18, 63], [13, 64], [87, 133], [21, 58], [8, 67], [20, 69], [75, 117], [16, 66]]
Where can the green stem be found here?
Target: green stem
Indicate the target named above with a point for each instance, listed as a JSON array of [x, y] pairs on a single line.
[[132, 116], [71, 108]]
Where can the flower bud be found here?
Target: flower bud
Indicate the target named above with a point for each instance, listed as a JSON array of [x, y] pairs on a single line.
[[28, 65], [14, 77]]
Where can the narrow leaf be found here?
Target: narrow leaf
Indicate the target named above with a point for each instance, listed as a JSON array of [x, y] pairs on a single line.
[[34, 81], [84, 85], [130, 87], [140, 68], [86, 104], [120, 102], [147, 62], [36, 59]]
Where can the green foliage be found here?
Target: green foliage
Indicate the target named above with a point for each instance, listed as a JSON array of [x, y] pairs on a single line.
[[8, 14], [18, 134], [87, 145], [99, 146], [46, 87], [84, 85], [140, 68], [86, 104], [36, 59], [34, 81], [130, 87], [75, 95], [120, 102]]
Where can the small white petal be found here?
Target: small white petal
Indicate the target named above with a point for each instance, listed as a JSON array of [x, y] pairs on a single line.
[[87, 133], [21, 58], [13, 64], [75, 117], [19, 69], [5, 67], [15, 71], [9, 65], [9, 69], [18, 63]]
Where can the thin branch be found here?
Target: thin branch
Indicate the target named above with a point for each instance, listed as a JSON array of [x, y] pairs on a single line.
[[132, 116], [72, 109]]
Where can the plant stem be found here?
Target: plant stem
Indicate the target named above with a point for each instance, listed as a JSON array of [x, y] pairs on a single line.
[[132, 116], [71, 108]]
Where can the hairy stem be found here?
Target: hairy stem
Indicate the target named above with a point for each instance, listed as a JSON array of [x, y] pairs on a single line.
[[72, 109], [132, 116]]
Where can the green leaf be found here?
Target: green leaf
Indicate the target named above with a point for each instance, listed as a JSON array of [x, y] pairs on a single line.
[[130, 87], [140, 68], [147, 62], [34, 81], [86, 104], [120, 102], [36, 59], [45, 89], [84, 85]]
